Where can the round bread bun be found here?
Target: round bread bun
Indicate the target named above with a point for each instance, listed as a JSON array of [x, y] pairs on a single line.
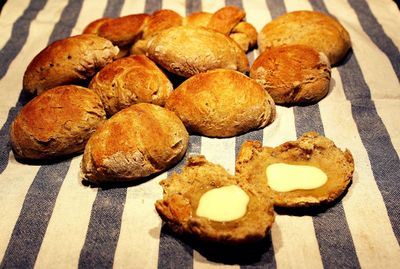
[[131, 80], [293, 74], [315, 29], [311, 149], [136, 142], [187, 51], [221, 103], [56, 123], [72, 60], [182, 193]]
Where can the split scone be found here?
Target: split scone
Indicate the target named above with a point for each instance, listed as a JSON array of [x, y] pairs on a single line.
[[56, 123], [131, 80], [204, 200], [312, 28], [306, 172], [293, 74], [221, 103], [187, 51], [134, 143]]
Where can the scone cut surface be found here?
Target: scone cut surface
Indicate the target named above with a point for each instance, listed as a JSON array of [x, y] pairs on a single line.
[[221, 103], [136, 142], [183, 191], [311, 149]]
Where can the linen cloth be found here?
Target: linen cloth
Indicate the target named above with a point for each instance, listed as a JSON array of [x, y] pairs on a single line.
[[49, 219]]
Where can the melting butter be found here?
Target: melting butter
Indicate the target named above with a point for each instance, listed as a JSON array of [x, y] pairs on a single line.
[[226, 203], [284, 177]]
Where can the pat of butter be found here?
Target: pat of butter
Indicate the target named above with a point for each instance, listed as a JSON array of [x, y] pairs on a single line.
[[284, 177], [223, 204]]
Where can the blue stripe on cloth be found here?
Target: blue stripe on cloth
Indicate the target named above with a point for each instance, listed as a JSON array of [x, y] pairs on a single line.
[[152, 5], [267, 255], [19, 35], [333, 234], [340, 245], [113, 8], [104, 228], [192, 6], [39, 202], [237, 3], [385, 162], [69, 16], [375, 31], [174, 252], [29, 230], [5, 144]]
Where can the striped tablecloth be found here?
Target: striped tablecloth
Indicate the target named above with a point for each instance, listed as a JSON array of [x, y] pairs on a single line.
[[49, 219]]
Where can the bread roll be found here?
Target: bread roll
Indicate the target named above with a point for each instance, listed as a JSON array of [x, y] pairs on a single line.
[[293, 74], [130, 80], [197, 19], [221, 103], [136, 142], [56, 123], [187, 51], [182, 193], [311, 150], [160, 20], [225, 19], [72, 60], [315, 29]]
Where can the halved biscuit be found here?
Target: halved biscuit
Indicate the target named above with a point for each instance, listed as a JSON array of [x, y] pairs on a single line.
[[183, 193], [311, 150]]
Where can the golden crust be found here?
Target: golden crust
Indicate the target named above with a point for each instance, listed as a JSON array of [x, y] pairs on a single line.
[[198, 19], [136, 142], [293, 74], [310, 149], [93, 27], [56, 123], [174, 50], [125, 30], [68, 61], [221, 103], [181, 197], [131, 80], [225, 19], [318, 30]]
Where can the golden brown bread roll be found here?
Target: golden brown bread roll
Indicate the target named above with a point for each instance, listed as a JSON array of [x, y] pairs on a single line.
[[293, 74], [221, 103], [136, 142], [174, 50], [245, 35], [315, 29], [130, 80], [311, 150], [197, 19], [160, 20], [224, 19], [56, 123], [182, 194], [93, 27], [68, 61]]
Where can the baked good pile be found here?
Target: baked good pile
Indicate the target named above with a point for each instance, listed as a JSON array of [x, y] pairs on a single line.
[[109, 93]]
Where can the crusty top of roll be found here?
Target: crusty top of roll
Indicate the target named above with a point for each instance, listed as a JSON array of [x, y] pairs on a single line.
[[131, 80], [70, 60], [56, 123], [318, 30], [134, 143], [293, 74], [187, 51], [221, 103]]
